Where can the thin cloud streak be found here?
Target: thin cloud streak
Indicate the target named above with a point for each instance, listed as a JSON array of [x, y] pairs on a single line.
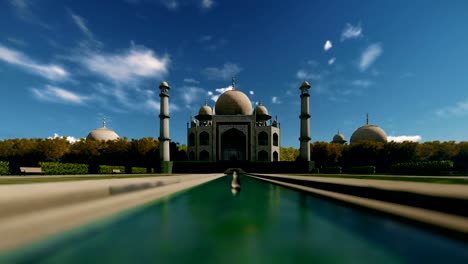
[[350, 32], [369, 56], [400, 139], [228, 71], [51, 71], [56, 94]]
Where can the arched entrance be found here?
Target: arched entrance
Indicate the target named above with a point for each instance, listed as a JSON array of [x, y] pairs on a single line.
[[233, 145]]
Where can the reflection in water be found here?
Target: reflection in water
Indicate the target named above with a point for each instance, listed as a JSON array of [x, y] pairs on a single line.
[[235, 184], [266, 224], [235, 191]]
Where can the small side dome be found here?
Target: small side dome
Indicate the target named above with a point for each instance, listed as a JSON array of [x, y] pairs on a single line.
[[369, 132], [261, 113], [205, 113], [339, 138]]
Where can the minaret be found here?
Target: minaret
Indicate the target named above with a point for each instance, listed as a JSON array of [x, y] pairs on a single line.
[[305, 122], [164, 125]]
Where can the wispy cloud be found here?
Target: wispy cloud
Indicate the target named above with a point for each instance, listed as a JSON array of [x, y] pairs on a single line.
[[80, 22], [350, 32], [215, 95], [155, 106], [331, 61], [192, 94], [68, 138], [369, 56], [18, 42], [361, 83], [49, 71], [191, 80], [56, 94], [23, 9], [275, 100], [128, 66], [400, 139], [328, 45], [306, 75], [207, 4], [170, 4], [228, 71], [459, 109], [251, 92]]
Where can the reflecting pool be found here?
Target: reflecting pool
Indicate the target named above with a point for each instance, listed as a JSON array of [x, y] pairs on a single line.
[[260, 223]]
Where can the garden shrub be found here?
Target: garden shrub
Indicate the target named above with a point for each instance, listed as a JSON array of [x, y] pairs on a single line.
[[362, 170], [56, 168], [106, 169], [138, 170], [422, 168], [4, 168], [331, 170]]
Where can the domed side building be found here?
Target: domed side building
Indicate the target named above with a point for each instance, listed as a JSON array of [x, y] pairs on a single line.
[[233, 131], [369, 132], [338, 138], [102, 133]]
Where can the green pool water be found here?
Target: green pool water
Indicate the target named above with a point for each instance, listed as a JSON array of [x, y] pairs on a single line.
[[263, 223]]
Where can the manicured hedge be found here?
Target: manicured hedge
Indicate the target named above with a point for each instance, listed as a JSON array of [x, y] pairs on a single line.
[[106, 169], [4, 168], [138, 170], [55, 168], [331, 170], [422, 168], [315, 170], [362, 170]]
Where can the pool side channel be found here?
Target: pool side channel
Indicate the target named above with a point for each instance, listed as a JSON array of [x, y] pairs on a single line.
[[33, 212], [443, 207]]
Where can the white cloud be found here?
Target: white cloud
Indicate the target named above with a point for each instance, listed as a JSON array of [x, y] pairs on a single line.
[[153, 105], [361, 83], [191, 80], [369, 56], [251, 92], [170, 4], [404, 138], [214, 96], [23, 11], [459, 109], [207, 3], [56, 94], [51, 71], [81, 23], [18, 41], [137, 62], [305, 75], [192, 94], [68, 138], [350, 32], [331, 61], [228, 71], [328, 45], [275, 100]]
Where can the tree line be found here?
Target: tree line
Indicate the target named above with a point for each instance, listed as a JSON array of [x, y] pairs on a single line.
[[383, 155], [142, 152]]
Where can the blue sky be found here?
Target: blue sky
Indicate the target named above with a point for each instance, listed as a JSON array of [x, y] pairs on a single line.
[[66, 64]]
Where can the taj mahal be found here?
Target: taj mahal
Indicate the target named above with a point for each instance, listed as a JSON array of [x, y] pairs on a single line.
[[232, 131]]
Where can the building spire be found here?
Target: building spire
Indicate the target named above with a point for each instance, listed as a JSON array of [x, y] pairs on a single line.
[[233, 82], [367, 118], [104, 121]]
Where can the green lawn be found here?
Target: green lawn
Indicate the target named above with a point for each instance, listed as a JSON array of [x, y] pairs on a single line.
[[440, 179], [43, 179]]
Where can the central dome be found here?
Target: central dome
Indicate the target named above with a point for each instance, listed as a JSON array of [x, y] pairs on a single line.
[[369, 132], [102, 133], [233, 102]]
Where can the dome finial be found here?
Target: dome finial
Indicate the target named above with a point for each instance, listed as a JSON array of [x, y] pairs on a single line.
[[233, 82], [206, 101], [104, 121], [367, 118]]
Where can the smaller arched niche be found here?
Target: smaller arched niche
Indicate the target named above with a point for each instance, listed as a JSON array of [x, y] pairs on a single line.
[[275, 140], [191, 140], [262, 138], [204, 138], [275, 156]]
